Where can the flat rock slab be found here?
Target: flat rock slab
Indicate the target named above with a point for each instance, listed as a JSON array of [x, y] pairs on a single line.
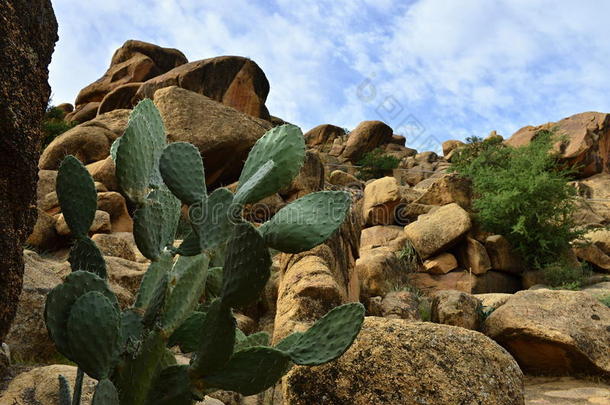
[[565, 391]]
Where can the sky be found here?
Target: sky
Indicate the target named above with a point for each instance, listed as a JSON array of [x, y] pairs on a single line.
[[431, 69]]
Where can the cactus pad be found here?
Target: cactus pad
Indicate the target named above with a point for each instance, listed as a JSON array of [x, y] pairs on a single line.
[[172, 387], [105, 394], [187, 336], [285, 146], [156, 304], [219, 220], [255, 339], [76, 194], [86, 256], [247, 266], [250, 371], [60, 300], [329, 337], [151, 278], [289, 342], [93, 334], [254, 187], [306, 222], [182, 171], [155, 223]]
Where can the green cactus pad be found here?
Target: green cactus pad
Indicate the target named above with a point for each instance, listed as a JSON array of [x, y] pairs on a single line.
[[306, 222], [86, 256], [190, 246], [156, 304], [172, 387], [131, 330], [60, 300], [213, 284], [289, 342], [188, 335], [255, 339], [151, 278], [65, 396], [250, 371], [155, 222], [247, 266], [182, 170], [218, 223], [250, 191], [105, 394], [329, 337], [216, 341], [285, 146], [189, 285], [171, 207], [93, 334], [114, 147], [76, 194]]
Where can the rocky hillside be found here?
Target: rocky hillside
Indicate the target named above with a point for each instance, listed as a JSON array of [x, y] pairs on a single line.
[[454, 316]]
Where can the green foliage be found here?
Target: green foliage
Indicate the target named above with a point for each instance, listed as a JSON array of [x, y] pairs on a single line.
[[376, 164], [605, 300], [53, 125], [523, 194], [409, 257], [128, 351], [563, 274]]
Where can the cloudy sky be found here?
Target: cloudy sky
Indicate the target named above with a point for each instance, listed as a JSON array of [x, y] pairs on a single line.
[[431, 69]]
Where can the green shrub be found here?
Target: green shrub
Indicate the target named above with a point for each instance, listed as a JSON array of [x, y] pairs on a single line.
[[605, 300], [53, 125], [376, 164], [409, 257], [565, 275], [523, 194]]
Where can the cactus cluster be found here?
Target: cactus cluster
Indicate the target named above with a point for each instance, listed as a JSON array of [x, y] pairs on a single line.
[[128, 351]]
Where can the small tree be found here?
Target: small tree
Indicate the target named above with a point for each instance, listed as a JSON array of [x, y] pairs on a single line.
[[376, 164], [523, 194]]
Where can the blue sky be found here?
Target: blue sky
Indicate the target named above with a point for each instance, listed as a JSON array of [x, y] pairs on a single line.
[[431, 69]]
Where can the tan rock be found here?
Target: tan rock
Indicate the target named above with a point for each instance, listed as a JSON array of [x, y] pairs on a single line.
[[596, 190], [455, 280], [265, 209], [232, 80], [439, 230], [441, 264], [457, 309], [101, 224], [40, 386], [309, 179], [447, 189], [407, 213], [367, 136], [46, 183], [323, 136], [441, 365], [65, 107], [600, 238], [473, 256], [502, 256], [379, 271], [493, 300], [337, 148], [83, 113], [121, 97], [104, 172], [245, 323], [134, 61], [377, 236], [344, 179], [400, 305], [381, 197], [223, 135], [112, 245], [566, 391], [115, 205], [44, 235], [450, 145], [587, 144], [594, 255], [554, 332], [128, 237]]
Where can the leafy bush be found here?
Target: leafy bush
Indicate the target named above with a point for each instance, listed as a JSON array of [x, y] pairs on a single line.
[[376, 164], [409, 257], [53, 125], [523, 194], [605, 300], [563, 274]]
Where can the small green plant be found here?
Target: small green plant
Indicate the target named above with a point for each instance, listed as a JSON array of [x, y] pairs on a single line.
[[223, 256], [605, 300], [523, 194], [53, 125], [565, 275], [409, 257], [376, 164]]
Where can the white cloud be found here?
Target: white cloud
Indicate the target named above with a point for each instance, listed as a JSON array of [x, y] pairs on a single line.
[[460, 68]]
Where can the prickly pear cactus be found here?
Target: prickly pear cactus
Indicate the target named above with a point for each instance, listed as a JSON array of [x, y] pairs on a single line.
[[181, 302]]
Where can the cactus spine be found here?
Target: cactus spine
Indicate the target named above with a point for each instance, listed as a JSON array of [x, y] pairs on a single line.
[[127, 351]]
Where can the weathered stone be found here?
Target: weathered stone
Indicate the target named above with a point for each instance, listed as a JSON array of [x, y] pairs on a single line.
[[377, 236], [46, 183], [450, 145], [439, 230], [104, 172], [594, 255], [600, 238], [441, 264], [554, 332], [309, 179], [232, 80], [455, 280], [379, 271], [367, 136], [101, 224], [450, 188], [112, 245], [223, 135], [566, 391], [44, 235], [473, 256], [596, 190], [457, 309], [400, 305], [121, 97], [395, 361], [344, 179], [493, 300], [115, 205], [83, 113], [497, 282], [323, 136], [381, 197], [502, 256]]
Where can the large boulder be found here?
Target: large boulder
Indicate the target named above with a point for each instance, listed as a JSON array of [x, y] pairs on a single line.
[[394, 361], [222, 134], [381, 197], [473, 256], [454, 280], [367, 136], [554, 332], [587, 144], [439, 230], [323, 136], [40, 386], [309, 180], [379, 271], [440, 264], [28, 32], [378, 236], [447, 189], [134, 61], [502, 256], [232, 80], [121, 97], [457, 309], [596, 191]]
